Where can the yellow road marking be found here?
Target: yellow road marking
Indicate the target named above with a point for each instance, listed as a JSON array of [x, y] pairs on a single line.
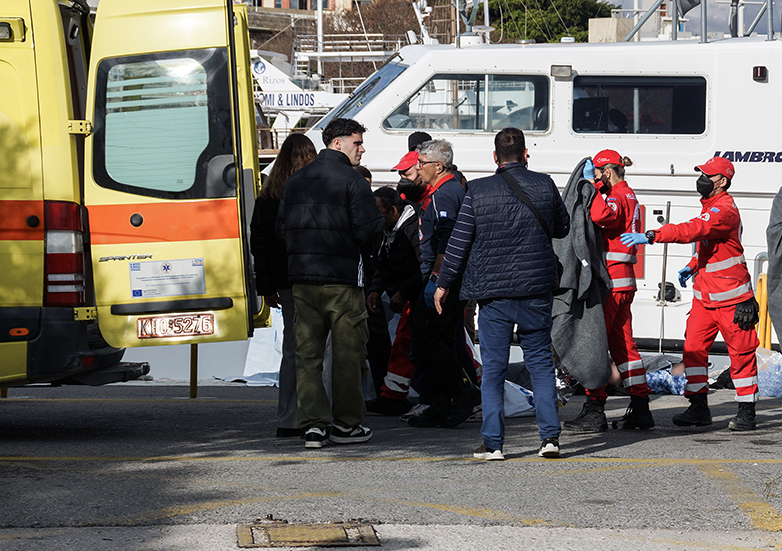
[[633, 462], [479, 512], [762, 515]]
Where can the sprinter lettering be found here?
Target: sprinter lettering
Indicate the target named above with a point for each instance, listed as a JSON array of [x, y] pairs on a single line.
[[751, 156]]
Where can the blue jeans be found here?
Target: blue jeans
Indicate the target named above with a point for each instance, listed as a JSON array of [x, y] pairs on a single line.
[[495, 324]]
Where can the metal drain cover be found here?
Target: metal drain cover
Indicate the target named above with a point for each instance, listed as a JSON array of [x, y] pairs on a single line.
[[280, 534]]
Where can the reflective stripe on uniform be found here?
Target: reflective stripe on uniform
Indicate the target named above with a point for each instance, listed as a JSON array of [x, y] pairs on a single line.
[[725, 295], [623, 282], [733, 293], [747, 381], [396, 383], [695, 387], [725, 264], [632, 381], [696, 370], [747, 398], [621, 257], [627, 366]]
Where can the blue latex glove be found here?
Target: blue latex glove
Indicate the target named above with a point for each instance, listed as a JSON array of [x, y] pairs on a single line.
[[684, 274], [589, 170], [630, 239], [431, 287]]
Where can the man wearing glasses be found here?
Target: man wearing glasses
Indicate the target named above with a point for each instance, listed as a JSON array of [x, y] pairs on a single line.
[[434, 337]]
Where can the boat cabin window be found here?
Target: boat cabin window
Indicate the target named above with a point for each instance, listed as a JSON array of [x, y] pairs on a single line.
[[364, 93], [639, 105], [475, 102], [163, 125]]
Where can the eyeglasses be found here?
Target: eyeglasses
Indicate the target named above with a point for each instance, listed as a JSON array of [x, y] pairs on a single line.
[[420, 162]]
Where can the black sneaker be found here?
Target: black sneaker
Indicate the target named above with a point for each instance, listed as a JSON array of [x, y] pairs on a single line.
[[352, 435], [698, 414], [549, 448], [745, 418], [388, 406], [591, 419], [487, 454], [315, 437], [431, 417], [637, 415], [464, 408]]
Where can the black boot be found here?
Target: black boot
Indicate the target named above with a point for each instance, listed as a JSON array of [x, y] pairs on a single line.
[[745, 418], [697, 414], [591, 419], [637, 415]]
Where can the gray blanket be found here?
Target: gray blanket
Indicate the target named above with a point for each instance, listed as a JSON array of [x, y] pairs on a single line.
[[579, 332], [774, 242]]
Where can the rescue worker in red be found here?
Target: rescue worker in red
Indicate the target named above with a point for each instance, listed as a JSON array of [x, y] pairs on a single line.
[[616, 210], [723, 300]]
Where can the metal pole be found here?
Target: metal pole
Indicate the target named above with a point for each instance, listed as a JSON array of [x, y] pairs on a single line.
[[704, 22], [770, 19], [662, 285], [194, 369], [674, 19], [643, 20], [756, 20], [320, 36]]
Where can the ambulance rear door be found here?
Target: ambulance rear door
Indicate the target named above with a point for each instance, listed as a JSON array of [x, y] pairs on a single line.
[[166, 204]]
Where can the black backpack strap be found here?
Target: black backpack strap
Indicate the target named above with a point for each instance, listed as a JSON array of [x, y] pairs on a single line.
[[523, 196]]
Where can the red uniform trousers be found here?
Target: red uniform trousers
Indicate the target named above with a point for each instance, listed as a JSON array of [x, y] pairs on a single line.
[[624, 352], [396, 383], [702, 327]]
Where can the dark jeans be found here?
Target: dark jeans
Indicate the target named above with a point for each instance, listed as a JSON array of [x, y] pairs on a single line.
[[434, 343]]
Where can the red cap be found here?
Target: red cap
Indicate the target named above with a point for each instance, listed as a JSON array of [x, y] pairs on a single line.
[[407, 161], [717, 165], [607, 157]]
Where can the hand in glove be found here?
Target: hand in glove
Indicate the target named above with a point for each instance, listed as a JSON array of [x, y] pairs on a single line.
[[630, 239], [746, 315], [684, 274], [431, 287], [589, 170]]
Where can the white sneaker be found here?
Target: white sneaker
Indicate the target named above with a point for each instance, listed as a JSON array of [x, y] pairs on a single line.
[[315, 437], [487, 454], [549, 448], [416, 410], [352, 435]]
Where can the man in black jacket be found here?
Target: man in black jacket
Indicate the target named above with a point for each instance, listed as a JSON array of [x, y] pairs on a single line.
[[327, 216]]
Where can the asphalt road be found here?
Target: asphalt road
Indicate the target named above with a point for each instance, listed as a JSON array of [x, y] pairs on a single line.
[[143, 467]]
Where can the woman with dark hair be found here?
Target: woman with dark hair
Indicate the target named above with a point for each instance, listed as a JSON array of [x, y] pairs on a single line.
[[271, 268]]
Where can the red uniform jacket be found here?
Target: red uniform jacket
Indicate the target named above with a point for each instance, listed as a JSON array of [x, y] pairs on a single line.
[[723, 278], [618, 212]]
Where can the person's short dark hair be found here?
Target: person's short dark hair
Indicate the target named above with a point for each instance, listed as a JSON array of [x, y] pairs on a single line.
[[509, 145], [341, 127], [417, 138], [364, 171], [390, 198]]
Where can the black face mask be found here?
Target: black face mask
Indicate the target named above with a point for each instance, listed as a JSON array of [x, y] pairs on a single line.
[[704, 185], [410, 190]]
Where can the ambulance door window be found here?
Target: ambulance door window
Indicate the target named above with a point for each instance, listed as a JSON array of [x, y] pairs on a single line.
[[639, 105], [163, 125]]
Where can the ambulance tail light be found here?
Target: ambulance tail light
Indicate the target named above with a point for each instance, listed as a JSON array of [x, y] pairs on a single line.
[[63, 254]]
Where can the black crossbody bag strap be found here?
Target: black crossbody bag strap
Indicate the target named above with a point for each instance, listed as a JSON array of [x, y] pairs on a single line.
[[523, 196]]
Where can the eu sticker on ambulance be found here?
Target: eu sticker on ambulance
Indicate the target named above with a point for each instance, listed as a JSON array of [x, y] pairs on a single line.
[[167, 278]]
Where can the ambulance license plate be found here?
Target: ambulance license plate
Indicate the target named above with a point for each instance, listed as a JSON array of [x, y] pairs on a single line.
[[161, 327]]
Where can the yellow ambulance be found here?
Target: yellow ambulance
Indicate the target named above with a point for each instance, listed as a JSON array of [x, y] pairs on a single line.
[[128, 163]]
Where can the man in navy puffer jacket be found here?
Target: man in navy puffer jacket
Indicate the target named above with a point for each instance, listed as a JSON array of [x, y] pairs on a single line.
[[510, 269]]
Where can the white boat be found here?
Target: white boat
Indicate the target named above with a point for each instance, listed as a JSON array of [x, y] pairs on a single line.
[[668, 105]]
